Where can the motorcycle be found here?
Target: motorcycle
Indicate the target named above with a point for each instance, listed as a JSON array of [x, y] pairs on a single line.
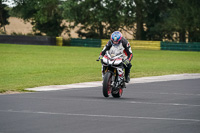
[[113, 80]]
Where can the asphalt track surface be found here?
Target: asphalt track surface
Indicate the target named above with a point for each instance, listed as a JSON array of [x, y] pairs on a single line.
[[158, 107]]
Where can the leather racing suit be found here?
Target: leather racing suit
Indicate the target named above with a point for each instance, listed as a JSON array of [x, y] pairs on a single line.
[[123, 47]]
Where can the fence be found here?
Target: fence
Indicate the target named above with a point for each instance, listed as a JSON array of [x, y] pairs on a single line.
[[194, 46], [36, 40], [135, 44], [146, 45], [85, 42], [158, 45]]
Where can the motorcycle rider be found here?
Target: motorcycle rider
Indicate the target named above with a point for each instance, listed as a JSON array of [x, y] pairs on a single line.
[[118, 44]]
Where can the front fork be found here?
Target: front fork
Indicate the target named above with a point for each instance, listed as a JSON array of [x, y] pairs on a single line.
[[117, 76]]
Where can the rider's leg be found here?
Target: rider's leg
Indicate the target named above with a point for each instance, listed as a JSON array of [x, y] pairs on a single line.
[[121, 74], [127, 73]]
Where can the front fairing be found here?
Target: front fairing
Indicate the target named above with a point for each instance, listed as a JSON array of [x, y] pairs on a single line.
[[113, 60]]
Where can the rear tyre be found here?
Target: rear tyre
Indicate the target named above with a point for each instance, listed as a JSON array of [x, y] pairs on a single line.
[[107, 84]]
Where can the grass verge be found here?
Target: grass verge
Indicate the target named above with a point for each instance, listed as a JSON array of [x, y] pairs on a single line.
[[26, 66]]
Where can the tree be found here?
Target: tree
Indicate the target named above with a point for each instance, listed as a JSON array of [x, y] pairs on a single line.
[[3, 15], [139, 11], [185, 18], [45, 15], [96, 18], [156, 11], [148, 15]]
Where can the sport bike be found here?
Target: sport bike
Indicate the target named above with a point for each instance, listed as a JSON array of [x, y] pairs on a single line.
[[113, 80]]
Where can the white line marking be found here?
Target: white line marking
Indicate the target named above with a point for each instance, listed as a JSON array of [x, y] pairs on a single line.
[[115, 101], [136, 117], [64, 87], [165, 78], [183, 94], [132, 81], [172, 104], [104, 116]]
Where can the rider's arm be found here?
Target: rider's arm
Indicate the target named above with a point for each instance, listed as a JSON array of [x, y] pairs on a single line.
[[127, 49], [106, 47]]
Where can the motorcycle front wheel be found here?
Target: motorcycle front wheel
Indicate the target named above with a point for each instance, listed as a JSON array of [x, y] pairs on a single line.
[[118, 94], [107, 84]]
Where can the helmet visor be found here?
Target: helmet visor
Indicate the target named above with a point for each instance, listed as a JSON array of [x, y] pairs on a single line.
[[115, 42]]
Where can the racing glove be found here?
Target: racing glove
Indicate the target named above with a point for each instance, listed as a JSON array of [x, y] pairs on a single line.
[[126, 62], [100, 57]]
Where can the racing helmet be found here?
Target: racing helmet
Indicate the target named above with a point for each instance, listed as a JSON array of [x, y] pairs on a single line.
[[116, 37]]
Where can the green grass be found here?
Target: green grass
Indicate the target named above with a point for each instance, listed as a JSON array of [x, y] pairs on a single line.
[[25, 66]]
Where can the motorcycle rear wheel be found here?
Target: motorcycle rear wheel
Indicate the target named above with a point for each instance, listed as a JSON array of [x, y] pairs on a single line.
[[107, 84]]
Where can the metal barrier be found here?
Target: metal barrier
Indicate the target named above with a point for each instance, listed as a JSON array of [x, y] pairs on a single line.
[[35, 40], [192, 46], [85, 42], [104, 42], [59, 41], [158, 45], [148, 45], [137, 44]]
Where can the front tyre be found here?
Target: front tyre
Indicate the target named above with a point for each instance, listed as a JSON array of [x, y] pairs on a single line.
[[118, 94], [107, 84]]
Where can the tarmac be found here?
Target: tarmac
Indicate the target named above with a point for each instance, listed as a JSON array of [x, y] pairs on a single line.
[[156, 105]]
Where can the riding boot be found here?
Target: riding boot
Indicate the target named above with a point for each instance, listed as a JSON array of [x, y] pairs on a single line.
[[127, 77], [127, 73]]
